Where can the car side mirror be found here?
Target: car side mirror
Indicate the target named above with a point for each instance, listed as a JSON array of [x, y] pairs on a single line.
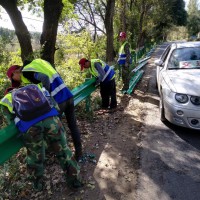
[[158, 62]]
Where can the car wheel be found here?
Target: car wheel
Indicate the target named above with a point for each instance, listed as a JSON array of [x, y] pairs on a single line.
[[161, 109]]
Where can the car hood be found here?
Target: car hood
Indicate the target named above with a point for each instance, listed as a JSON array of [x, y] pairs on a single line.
[[184, 81]]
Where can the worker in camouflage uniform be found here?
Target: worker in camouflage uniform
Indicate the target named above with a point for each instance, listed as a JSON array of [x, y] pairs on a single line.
[[41, 72], [124, 60], [44, 130]]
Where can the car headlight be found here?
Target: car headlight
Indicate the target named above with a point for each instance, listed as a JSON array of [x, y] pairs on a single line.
[[181, 98], [195, 100]]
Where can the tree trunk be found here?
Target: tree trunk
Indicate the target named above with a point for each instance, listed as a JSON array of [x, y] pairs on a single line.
[[123, 16], [142, 13], [21, 30], [52, 12], [109, 30]]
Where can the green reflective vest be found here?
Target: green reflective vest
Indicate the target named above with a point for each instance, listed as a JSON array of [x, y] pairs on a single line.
[[7, 101]]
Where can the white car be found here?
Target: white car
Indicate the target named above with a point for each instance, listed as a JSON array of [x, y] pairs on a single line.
[[178, 82]]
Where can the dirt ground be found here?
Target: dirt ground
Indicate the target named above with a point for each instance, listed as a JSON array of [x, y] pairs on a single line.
[[114, 139], [112, 143]]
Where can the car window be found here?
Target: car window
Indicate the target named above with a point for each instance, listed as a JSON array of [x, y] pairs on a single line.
[[165, 53], [185, 58]]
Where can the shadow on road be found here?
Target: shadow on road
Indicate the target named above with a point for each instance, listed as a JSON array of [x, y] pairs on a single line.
[[173, 179]]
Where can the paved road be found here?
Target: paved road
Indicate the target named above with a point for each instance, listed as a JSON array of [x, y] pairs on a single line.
[[170, 155]]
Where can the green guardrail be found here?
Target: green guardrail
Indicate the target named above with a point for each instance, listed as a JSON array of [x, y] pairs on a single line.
[[84, 90], [143, 51], [11, 143], [137, 71], [134, 80]]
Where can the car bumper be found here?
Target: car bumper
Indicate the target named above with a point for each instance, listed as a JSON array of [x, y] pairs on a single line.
[[180, 116]]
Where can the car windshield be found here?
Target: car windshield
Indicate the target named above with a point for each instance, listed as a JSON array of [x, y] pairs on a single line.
[[185, 58]]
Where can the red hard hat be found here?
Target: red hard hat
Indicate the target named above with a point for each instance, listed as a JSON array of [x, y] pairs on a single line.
[[82, 62], [9, 73], [122, 35], [11, 70]]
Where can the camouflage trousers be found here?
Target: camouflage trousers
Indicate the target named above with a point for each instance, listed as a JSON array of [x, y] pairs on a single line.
[[49, 132], [125, 76]]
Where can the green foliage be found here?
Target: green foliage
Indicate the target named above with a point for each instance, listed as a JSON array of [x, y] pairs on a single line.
[[7, 57], [34, 7], [178, 13], [177, 33], [149, 20], [81, 112], [82, 45], [70, 72], [6, 35], [71, 48], [193, 24], [68, 9], [95, 104]]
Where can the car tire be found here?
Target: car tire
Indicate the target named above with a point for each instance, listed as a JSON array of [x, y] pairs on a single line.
[[161, 109]]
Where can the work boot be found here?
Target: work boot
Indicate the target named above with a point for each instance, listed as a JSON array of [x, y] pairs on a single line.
[[72, 178], [74, 182], [78, 155]]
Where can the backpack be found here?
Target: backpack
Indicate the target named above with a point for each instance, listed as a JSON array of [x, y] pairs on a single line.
[[30, 102]]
